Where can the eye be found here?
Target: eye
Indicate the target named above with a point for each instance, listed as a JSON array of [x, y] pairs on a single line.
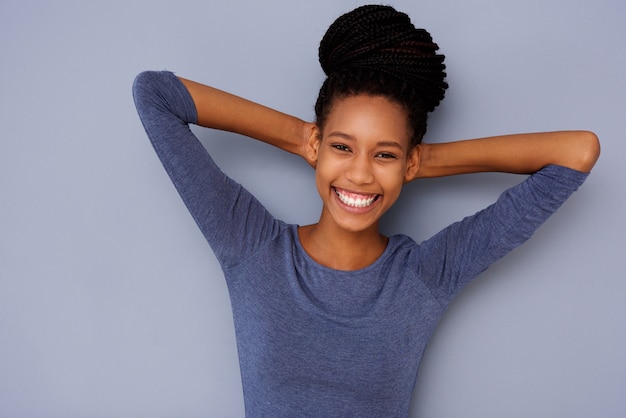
[[340, 147], [386, 155]]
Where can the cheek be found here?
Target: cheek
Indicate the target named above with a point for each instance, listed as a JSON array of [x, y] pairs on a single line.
[[391, 173], [327, 164], [322, 173], [393, 179]]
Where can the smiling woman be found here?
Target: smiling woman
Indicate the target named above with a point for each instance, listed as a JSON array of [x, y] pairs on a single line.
[[363, 155], [333, 318]]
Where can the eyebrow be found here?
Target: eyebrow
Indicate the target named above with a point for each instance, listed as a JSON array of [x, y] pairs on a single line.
[[379, 143]]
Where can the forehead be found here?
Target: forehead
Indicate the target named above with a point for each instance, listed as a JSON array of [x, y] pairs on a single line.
[[365, 116]]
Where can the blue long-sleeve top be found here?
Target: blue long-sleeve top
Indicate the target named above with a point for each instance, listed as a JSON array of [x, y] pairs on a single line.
[[314, 341]]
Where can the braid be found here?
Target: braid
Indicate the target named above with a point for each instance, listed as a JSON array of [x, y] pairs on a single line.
[[376, 50]]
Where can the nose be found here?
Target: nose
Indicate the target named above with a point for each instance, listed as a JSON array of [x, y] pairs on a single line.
[[360, 170]]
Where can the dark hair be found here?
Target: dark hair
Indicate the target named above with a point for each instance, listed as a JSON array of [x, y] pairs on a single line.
[[376, 50]]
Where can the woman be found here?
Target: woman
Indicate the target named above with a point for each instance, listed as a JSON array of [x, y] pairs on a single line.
[[333, 318]]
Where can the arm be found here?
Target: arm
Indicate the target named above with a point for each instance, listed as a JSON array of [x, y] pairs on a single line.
[[233, 222], [522, 154], [559, 163], [461, 251], [220, 110]]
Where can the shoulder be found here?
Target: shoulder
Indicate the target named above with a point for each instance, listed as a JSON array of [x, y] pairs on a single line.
[[402, 250]]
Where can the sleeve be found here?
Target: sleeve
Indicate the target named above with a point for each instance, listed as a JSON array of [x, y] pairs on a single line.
[[234, 223], [460, 252]]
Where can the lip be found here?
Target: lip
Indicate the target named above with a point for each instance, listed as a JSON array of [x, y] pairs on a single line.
[[356, 209]]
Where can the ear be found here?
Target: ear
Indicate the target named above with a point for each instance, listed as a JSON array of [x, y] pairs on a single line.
[[412, 163], [313, 145]]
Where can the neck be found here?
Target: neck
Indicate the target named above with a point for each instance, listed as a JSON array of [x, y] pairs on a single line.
[[340, 249]]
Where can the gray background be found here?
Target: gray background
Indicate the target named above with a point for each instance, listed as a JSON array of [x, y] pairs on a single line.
[[111, 303]]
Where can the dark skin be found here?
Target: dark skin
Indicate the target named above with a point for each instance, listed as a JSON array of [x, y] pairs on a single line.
[[362, 157], [362, 153]]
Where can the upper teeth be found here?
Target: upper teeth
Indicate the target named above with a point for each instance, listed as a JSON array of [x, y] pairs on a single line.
[[358, 202]]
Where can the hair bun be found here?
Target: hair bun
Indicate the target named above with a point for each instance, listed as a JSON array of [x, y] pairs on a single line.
[[380, 38]]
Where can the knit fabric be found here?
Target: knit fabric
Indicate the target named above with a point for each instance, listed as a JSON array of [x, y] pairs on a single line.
[[314, 341]]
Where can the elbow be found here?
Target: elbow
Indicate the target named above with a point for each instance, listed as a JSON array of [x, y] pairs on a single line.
[[589, 151]]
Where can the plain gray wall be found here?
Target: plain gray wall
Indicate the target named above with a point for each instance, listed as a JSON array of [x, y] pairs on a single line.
[[111, 303]]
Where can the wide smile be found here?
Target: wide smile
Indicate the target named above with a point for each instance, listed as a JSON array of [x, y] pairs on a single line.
[[356, 200]]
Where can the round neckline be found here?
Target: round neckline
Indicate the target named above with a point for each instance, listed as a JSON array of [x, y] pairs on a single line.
[[320, 266]]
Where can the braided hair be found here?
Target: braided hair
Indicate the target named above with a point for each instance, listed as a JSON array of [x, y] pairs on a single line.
[[376, 50]]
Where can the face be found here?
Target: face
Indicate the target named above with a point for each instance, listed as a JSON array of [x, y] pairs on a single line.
[[362, 160]]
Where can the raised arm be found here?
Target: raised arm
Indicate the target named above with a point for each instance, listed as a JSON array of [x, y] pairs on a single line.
[[521, 153], [220, 110]]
